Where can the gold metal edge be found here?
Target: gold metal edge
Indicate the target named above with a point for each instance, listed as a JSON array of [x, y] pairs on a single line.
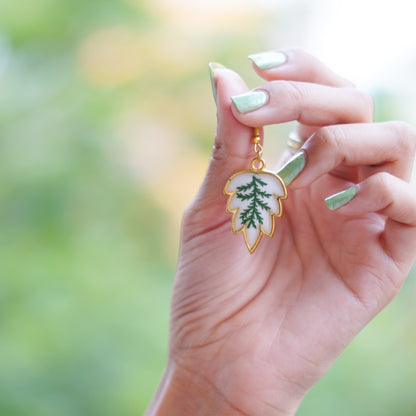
[[235, 210]]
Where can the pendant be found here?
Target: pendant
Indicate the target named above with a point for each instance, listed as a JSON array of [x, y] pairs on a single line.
[[255, 199]]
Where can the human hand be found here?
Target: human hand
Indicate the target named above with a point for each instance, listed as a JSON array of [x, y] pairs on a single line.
[[251, 333]]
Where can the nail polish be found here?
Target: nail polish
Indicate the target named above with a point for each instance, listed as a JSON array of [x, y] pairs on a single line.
[[292, 168], [212, 67], [269, 59], [250, 101], [339, 199]]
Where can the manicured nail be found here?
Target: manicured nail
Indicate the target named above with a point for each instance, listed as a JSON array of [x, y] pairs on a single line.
[[292, 168], [338, 200], [212, 67], [269, 59], [250, 101]]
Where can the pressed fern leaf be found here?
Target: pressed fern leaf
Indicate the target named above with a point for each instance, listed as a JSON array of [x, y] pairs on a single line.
[[254, 200]]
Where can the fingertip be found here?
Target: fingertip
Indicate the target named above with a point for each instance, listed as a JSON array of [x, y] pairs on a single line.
[[299, 65], [228, 83], [250, 101], [268, 59], [213, 67], [292, 168], [340, 199]]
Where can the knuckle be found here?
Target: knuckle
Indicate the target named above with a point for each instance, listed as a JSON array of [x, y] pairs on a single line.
[[405, 136], [296, 94], [188, 218], [400, 128], [367, 102], [218, 151], [296, 91], [330, 136], [383, 181]]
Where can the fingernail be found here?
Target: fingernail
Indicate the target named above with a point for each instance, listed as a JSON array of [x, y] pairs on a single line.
[[338, 200], [250, 101], [212, 67], [292, 168], [269, 59]]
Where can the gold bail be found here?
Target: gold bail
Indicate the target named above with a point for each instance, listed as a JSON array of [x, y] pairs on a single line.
[[258, 149]]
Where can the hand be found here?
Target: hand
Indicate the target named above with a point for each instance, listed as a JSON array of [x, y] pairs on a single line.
[[251, 333]]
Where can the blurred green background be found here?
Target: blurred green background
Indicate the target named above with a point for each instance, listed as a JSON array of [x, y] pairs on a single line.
[[106, 126]]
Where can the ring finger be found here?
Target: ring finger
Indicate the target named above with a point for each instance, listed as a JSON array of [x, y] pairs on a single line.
[[373, 147]]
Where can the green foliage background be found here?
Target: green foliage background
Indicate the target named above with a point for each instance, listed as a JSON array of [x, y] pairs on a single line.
[[91, 92]]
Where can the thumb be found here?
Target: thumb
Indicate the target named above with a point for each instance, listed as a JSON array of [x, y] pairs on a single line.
[[232, 139], [232, 149]]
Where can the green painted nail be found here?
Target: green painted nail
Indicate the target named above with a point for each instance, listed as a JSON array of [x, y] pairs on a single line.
[[338, 200], [250, 101], [292, 168], [212, 67], [269, 59]]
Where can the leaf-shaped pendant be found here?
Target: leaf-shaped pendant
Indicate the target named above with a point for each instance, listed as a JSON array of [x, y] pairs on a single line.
[[254, 200]]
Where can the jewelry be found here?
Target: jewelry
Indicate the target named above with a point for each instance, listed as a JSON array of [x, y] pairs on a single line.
[[255, 198], [294, 142]]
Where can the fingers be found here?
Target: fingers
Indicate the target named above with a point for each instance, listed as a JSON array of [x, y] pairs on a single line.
[[310, 104], [299, 67], [295, 65], [374, 147], [395, 199]]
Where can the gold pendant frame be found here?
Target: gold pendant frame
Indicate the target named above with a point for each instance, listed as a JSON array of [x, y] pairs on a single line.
[[281, 193]]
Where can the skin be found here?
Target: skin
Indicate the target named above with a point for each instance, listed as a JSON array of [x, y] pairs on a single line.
[[251, 333]]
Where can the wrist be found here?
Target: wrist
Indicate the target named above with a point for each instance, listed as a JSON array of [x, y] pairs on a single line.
[[185, 393]]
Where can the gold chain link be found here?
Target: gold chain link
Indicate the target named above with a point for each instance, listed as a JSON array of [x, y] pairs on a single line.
[[258, 149]]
